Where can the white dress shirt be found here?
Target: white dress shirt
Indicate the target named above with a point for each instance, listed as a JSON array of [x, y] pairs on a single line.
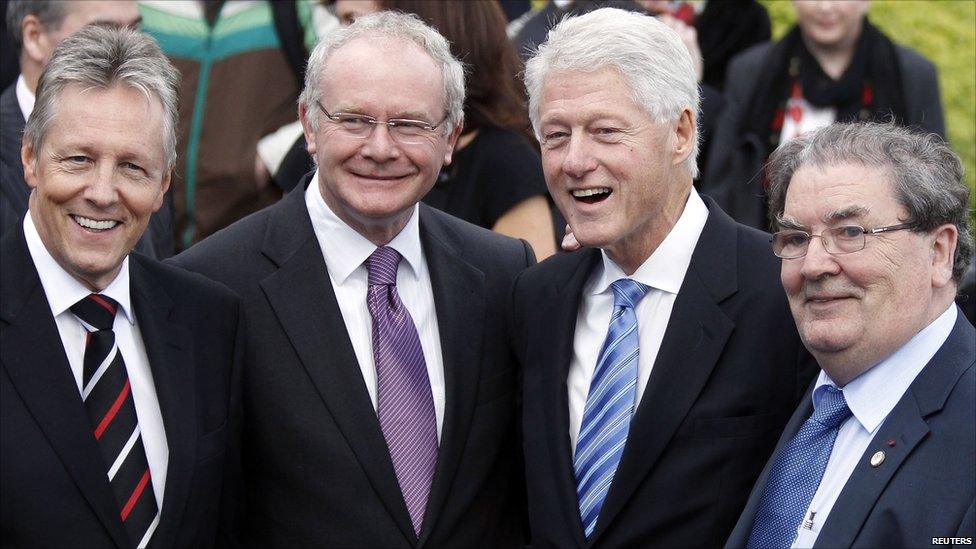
[[25, 97], [663, 271], [871, 397], [345, 251], [63, 291]]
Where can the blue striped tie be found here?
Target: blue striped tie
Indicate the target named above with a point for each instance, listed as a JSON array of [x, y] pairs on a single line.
[[609, 404]]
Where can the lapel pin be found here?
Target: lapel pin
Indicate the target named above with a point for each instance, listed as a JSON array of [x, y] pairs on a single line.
[[891, 442], [877, 459]]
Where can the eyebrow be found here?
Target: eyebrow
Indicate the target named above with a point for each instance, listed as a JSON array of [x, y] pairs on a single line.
[[845, 213]]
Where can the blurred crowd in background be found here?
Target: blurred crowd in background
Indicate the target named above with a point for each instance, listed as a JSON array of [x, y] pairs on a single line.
[[242, 65]]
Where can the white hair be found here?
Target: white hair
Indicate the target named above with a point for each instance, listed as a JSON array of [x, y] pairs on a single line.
[[647, 53]]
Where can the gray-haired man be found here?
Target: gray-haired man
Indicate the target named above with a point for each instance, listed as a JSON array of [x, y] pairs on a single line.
[[380, 388], [116, 372], [874, 237]]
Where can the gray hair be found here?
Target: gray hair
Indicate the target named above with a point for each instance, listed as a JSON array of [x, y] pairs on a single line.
[[99, 56], [51, 14], [926, 175], [396, 25], [648, 54]]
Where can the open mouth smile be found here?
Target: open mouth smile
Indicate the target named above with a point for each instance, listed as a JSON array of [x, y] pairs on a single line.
[[96, 225]]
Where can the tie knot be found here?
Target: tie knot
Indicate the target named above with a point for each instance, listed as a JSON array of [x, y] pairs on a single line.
[[382, 266], [628, 292], [832, 408], [96, 310]]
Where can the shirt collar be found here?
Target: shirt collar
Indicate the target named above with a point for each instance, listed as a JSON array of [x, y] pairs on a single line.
[[872, 395], [345, 250], [25, 97], [62, 289], [665, 269]]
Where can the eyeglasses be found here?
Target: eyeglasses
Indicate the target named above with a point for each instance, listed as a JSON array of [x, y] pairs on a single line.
[[405, 131], [793, 244]]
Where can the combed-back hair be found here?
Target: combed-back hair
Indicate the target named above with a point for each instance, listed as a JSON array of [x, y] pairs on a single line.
[[99, 57], [647, 53]]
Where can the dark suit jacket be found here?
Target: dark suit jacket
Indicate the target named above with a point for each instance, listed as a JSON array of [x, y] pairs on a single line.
[[926, 486], [157, 241], [317, 470], [729, 372], [54, 491]]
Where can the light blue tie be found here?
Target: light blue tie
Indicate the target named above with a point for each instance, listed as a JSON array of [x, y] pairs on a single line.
[[797, 472], [609, 404]]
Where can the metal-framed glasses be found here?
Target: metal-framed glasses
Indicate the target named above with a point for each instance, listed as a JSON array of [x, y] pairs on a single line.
[[793, 243], [402, 130]]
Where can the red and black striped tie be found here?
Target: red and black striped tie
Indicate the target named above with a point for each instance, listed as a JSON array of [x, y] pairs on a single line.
[[112, 411]]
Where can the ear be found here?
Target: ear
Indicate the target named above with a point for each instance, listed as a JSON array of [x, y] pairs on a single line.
[[452, 141], [162, 190], [36, 42], [943, 252], [28, 159], [304, 115], [685, 133]]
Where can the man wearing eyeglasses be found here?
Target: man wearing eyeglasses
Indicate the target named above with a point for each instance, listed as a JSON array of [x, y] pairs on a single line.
[[380, 387], [874, 237]]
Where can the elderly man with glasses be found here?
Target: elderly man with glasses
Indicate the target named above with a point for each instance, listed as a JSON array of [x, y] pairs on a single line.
[[379, 387], [874, 237]]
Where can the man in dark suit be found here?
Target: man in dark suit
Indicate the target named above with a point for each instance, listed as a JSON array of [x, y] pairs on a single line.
[[659, 366], [880, 453], [117, 373], [36, 28], [344, 447]]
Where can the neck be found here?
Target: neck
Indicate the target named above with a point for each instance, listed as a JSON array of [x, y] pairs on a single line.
[[833, 60], [845, 366], [631, 252], [31, 72]]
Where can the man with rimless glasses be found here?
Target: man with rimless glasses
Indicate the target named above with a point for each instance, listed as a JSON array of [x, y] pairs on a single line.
[[874, 237], [380, 388]]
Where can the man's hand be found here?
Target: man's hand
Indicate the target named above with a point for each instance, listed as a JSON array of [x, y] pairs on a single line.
[[570, 244]]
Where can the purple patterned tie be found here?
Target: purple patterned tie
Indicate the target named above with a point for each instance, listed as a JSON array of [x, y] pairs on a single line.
[[404, 401]]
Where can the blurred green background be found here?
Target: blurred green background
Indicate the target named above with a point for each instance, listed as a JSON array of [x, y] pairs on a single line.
[[945, 32]]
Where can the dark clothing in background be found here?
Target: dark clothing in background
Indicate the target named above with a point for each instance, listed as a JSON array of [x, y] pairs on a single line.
[[494, 172], [884, 80]]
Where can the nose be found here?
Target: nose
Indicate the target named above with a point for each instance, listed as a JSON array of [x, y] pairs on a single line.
[[379, 145], [102, 190], [818, 262], [578, 160]]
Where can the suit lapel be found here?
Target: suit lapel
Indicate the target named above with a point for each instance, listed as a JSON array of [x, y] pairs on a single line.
[[301, 295], [693, 341], [907, 424], [561, 303], [34, 358], [168, 346], [459, 300]]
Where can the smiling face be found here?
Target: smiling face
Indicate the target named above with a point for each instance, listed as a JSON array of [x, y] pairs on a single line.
[[99, 174], [831, 24], [853, 310], [373, 183], [614, 172]]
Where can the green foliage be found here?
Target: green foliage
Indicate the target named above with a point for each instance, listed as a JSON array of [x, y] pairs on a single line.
[[944, 31]]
